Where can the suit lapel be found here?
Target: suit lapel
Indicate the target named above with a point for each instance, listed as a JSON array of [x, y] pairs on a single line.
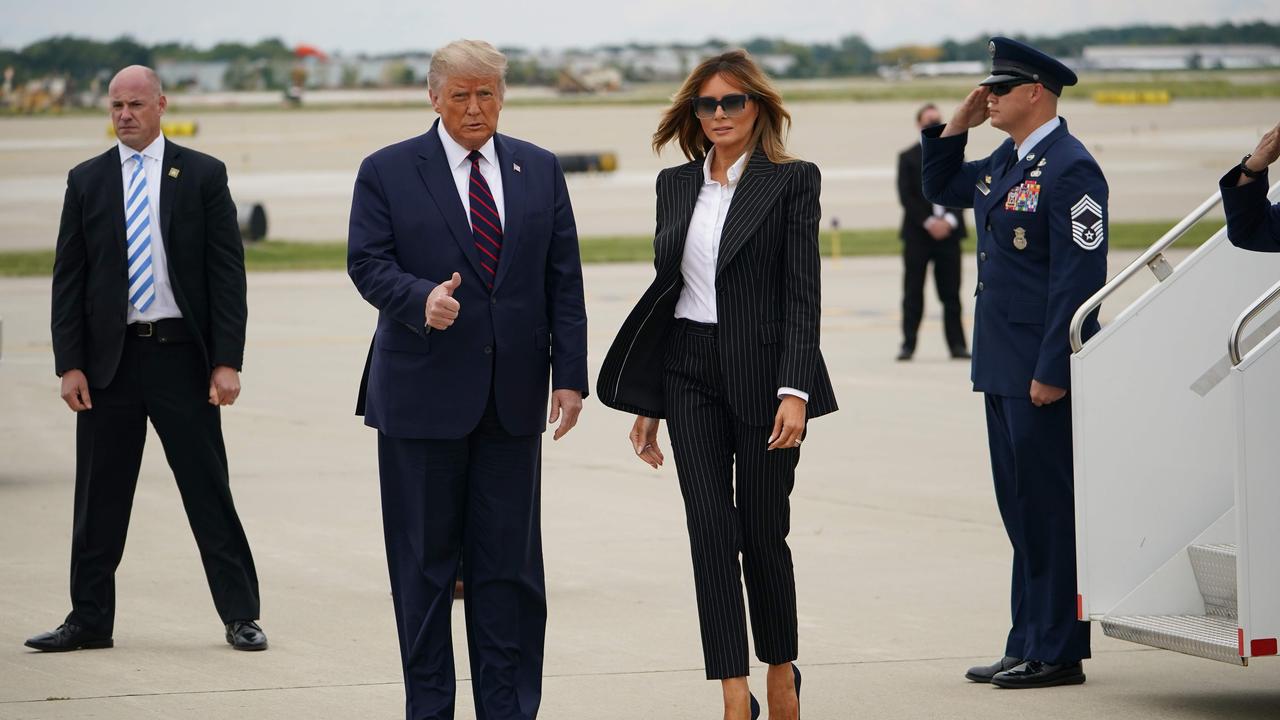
[[687, 185], [169, 188], [513, 203], [759, 187], [111, 167], [438, 177]]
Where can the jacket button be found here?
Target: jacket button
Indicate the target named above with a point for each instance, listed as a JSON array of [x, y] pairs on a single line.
[[493, 301], [488, 349], [982, 256], [981, 287]]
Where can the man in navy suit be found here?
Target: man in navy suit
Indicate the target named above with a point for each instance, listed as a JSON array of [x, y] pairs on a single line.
[[465, 242], [1253, 223], [1040, 209]]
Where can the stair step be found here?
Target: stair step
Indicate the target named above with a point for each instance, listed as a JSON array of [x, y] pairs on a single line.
[[1215, 569], [1206, 636]]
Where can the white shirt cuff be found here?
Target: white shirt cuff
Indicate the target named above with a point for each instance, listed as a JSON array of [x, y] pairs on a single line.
[[792, 391], [951, 220]]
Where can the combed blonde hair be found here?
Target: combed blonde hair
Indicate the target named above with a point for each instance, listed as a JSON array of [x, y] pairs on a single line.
[[773, 122], [467, 58]]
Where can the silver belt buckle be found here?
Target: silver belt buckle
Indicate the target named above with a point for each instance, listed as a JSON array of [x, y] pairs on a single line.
[[150, 330]]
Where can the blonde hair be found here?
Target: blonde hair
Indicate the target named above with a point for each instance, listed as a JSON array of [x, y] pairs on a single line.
[[773, 122], [467, 58]]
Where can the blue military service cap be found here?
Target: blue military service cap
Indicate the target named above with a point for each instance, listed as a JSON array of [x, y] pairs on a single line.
[[1012, 61]]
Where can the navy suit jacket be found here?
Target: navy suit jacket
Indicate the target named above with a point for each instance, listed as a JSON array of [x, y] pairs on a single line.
[[1253, 223], [1039, 259], [409, 231]]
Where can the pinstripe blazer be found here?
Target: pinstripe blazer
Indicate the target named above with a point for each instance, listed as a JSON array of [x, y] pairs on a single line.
[[768, 297]]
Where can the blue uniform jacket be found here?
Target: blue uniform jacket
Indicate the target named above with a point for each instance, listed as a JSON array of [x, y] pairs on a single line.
[[1042, 251], [1253, 223]]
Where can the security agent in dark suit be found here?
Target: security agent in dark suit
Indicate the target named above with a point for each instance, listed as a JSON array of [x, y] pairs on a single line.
[[149, 314], [930, 233], [724, 345], [1253, 222], [1040, 207], [464, 240]]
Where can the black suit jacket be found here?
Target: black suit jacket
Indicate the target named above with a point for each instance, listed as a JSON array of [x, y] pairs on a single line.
[[915, 207], [204, 254], [768, 296]]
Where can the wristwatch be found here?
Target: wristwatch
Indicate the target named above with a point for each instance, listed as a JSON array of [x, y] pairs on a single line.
[[1244, 168]]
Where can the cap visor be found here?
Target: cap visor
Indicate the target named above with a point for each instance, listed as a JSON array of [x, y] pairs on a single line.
[[1001, 78]]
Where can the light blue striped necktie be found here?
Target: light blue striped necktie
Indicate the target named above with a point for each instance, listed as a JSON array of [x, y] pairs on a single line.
[[142, 290]]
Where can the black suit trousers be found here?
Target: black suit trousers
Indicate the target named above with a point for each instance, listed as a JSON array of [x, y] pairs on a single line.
[[750, 517], [474, 500], [167, 384], [945, 256]]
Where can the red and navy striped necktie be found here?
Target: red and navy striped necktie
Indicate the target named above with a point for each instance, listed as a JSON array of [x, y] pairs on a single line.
[[486, 224]]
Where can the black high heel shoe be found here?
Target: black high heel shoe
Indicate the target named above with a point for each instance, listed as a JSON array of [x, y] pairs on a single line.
[[796, 672], [755, 708]]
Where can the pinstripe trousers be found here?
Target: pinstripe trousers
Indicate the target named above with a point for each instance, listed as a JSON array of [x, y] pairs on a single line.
[[751, 516]]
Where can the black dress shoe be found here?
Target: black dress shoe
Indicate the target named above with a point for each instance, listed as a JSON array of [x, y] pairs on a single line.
[[755, 708], [905, 353], [1035, 674], [984, 673], [68, 637], [246, 635], [960, 352]]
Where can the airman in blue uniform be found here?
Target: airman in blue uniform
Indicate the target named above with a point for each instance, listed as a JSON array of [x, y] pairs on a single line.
[[1040, 208], [1253, 222]]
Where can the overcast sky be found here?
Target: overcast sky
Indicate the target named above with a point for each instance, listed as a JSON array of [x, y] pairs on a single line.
[[386, 25]]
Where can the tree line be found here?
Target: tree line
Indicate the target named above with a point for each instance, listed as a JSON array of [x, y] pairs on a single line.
[[82, 60]]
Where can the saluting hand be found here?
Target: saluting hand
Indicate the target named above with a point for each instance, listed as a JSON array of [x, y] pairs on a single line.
[[644, 440], [1266, 153], [442, 309], [971, 113]]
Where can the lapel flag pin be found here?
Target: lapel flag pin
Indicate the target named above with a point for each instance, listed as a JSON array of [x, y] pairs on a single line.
[[173, 172], [515, 167]]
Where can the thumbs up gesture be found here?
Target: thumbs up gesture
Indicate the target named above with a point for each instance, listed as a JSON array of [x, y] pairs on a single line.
[[442, 309]]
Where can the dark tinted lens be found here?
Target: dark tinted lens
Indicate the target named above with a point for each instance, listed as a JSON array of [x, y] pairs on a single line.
[[733, 105], [705, 107], [1004, 88]]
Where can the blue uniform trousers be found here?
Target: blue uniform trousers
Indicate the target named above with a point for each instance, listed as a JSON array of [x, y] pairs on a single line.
[[1032, 466]]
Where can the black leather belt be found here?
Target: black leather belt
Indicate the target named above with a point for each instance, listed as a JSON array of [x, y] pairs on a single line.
[[693, 327], [171, 330]]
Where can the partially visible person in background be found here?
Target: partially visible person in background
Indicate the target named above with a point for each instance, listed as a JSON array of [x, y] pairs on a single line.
[[1253, 223], [930, 233], [149, 315]]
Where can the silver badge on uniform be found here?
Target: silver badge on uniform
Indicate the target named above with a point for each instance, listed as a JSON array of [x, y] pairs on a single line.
[[1020, 238]]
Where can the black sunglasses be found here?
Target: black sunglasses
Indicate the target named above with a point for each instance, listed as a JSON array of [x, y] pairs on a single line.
[[1004, 88], [733, 105]]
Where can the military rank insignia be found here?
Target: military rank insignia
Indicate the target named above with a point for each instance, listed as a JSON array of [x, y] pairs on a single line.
[[1086, 223], [1024, 197]]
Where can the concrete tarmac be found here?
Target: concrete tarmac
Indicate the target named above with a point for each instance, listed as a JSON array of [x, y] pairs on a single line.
[[902, 563]]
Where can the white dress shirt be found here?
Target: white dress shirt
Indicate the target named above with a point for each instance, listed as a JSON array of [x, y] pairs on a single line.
[[460, 164], [1036, 136], [164, 306], [702, 249]]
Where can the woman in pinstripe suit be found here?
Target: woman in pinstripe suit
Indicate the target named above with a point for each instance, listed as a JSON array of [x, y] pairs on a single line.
[[724, 345]]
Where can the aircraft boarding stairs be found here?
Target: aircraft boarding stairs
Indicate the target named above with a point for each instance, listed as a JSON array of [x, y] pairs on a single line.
[[1176, 434]]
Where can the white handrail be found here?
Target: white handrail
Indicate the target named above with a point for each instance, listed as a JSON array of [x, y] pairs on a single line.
[[1249, 315]]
